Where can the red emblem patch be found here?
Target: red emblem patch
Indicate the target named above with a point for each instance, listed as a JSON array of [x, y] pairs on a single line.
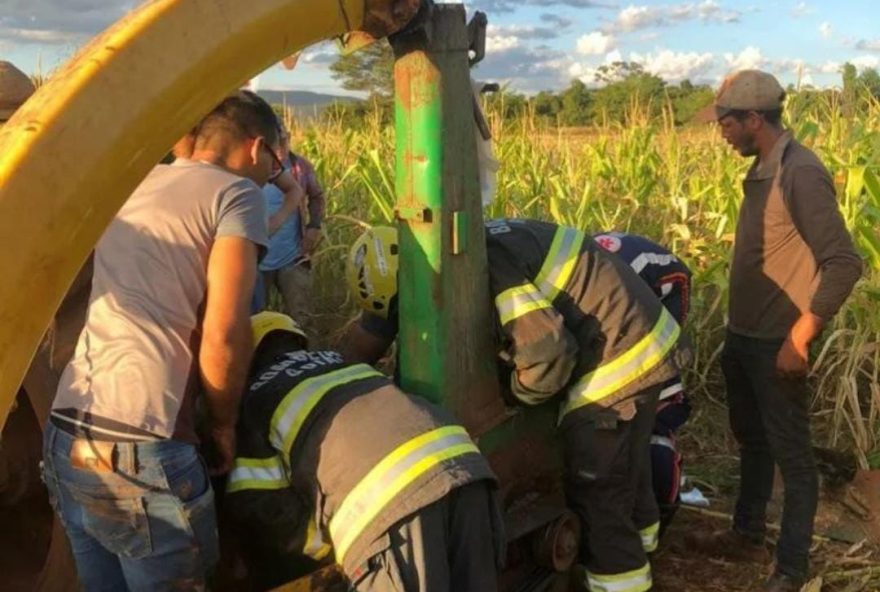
[[608, 242]]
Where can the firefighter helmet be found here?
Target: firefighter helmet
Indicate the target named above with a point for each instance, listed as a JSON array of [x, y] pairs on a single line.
[[371, 269], [268, 321]]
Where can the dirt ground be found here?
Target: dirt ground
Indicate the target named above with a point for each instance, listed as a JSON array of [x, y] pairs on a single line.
[[836, 567]]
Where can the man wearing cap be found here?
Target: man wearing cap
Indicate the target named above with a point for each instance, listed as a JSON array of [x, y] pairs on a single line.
[[793, 267], [15, 89]]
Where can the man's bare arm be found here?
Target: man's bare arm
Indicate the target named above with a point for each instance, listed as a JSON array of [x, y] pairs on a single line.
[[227, 344]]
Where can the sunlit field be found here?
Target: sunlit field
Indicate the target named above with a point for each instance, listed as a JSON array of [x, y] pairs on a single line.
[[677, 185]]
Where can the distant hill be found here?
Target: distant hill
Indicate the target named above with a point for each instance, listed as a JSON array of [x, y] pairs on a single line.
[[305, 103]]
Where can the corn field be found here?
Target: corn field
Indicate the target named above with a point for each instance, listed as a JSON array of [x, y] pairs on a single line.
[[679, 186]]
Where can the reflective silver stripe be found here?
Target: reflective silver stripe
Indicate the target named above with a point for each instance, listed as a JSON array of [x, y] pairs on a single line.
[[627, 367], [389, 477], [663, 441], [515, 302], [560, 262], [671, 390], [294, 409], [638, 580], [650, 537], [257, 473], [644, 259]]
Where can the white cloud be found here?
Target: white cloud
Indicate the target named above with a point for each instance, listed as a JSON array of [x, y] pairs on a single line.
[[46, 36], [674, 66], [320, 54], [587, 73], [830, 68], [58, 21], [868, 44], [595, 43], [501, 43], [669, 65], [825, 30], [613, 56], [801, 9], [633, 18], [638, 17], [523, 31], [862, 62], [748, 59]]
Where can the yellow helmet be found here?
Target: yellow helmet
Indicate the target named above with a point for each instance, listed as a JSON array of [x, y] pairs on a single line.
[[371, 269], [268, 321]]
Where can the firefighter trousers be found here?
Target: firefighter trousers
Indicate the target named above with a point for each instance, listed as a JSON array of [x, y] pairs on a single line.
[[608, 485], [453, 544]]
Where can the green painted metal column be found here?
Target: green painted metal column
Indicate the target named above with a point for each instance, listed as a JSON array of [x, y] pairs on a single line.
[[446, 339]]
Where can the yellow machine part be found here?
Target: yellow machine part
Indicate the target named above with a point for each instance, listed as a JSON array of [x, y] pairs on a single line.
[[73, 153]]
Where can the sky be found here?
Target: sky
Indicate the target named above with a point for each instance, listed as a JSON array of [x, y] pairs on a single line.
[[538, 45]]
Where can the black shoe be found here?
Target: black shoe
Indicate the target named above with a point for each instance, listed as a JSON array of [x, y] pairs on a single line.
[[779, 582]]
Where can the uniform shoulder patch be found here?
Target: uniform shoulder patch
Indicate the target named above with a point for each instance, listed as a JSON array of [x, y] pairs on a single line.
[[609, 242]]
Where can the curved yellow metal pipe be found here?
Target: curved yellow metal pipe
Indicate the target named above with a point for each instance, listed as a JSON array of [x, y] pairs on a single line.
[[73, 153]]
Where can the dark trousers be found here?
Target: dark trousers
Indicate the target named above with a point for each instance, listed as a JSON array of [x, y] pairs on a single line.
[[452, 544], [608, 485], [770, 419]]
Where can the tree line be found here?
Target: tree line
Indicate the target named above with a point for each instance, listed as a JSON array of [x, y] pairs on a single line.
[[624, 88]]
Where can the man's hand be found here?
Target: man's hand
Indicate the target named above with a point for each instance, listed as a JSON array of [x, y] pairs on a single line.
[[311, 238], [793, 357], [286, 182], [223, 451], [791, 361]]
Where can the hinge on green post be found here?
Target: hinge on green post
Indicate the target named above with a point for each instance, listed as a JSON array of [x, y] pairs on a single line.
[[459, 232]]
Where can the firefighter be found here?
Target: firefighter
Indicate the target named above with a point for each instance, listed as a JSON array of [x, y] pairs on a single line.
[[336, 463], [670, 279], [577, 322]]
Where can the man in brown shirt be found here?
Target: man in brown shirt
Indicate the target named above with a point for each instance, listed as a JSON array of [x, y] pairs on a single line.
[[793, 267]]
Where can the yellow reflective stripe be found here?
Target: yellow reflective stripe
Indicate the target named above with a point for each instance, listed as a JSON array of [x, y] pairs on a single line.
[[257, 473], [291, 414], [650, 537], [389, 477], [515, 302], [637, 580], [315, 547], [626, 368], [560, 261]]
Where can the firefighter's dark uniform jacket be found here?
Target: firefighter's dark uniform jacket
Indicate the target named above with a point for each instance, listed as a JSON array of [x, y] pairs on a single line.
[[330, 455], [574, 319]]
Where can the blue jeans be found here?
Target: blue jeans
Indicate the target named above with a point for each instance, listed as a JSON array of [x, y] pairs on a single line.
[[770, 418], [147, 524]]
